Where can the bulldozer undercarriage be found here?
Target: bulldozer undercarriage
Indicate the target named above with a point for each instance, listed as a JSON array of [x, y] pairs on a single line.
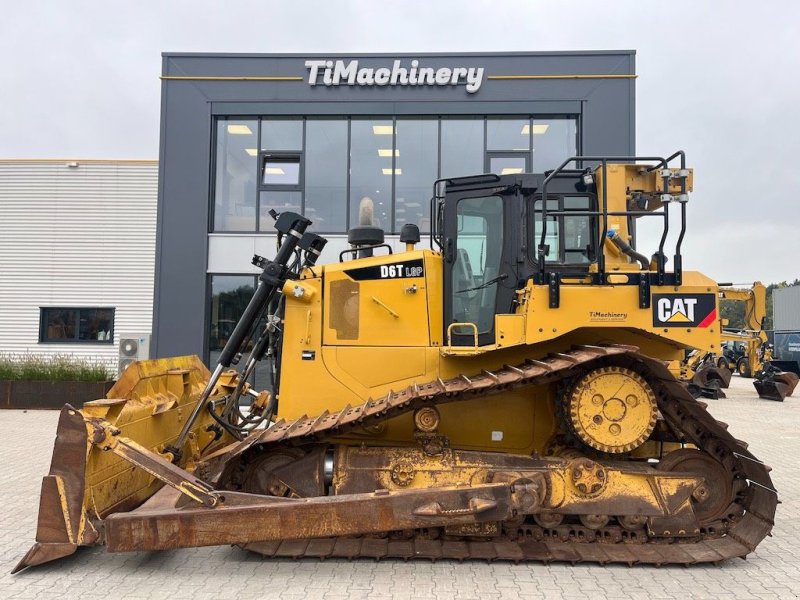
[[295, 490]]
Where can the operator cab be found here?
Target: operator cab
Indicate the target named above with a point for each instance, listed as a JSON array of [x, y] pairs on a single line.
[[489, 228]]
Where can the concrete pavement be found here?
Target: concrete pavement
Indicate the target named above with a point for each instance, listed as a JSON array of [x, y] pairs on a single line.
[[773, 571]]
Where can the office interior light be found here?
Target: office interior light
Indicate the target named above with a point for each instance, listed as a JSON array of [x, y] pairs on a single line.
[[511, 170], [537, 129], [251, 151], [390, 171], [239, 130], [383, 129], [387, 152], [274, 171]]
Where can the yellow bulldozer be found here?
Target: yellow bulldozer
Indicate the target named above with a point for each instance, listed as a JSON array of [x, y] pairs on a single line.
[[502, 395]]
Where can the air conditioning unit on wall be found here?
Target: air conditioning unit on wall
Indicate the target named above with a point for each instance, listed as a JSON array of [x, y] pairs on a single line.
[[132, 348]]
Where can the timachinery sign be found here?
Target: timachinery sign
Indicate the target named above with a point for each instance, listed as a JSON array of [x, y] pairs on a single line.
[[333, 73]]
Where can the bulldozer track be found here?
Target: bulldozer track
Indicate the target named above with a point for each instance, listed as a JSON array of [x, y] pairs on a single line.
[[735, 534]]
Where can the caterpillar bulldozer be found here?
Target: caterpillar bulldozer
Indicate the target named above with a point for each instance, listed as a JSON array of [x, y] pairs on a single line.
[[503, 395], [748, 351]]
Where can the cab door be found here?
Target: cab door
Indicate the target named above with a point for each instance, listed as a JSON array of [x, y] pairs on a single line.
[[481, 228]]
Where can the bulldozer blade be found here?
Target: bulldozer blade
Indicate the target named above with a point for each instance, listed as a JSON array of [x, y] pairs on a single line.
[[85, 484], [771, 389], [44, 553], [60, 525]]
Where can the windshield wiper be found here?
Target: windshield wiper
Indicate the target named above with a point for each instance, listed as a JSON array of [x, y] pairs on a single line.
[[497, 279]]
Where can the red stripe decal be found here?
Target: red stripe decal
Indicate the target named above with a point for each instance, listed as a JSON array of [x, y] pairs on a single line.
[[709, 319]]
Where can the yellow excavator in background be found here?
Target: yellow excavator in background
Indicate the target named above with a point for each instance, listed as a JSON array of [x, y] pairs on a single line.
[[502, 395], [754, 359]]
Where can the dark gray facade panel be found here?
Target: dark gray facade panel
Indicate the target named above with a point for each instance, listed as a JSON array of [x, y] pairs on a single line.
[[540, 107], [180, 286], [604, 105]]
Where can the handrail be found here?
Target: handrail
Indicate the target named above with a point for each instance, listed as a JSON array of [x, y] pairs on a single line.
[[604, 160], [474, 333]]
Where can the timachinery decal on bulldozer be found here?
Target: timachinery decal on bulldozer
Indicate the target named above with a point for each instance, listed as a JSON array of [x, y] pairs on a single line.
[[684, 310]]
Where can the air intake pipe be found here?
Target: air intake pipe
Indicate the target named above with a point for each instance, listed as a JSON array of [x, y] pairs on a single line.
[[626, 249]]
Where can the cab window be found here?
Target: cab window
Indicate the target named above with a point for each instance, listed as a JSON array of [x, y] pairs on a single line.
[[477, 261], [571, 238]]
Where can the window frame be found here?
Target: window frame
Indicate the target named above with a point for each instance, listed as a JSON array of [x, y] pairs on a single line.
[[348, 119], [44, 339], [282, 156], [593, 227]]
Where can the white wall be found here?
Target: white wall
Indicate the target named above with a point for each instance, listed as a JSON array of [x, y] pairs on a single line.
[[76, 236]]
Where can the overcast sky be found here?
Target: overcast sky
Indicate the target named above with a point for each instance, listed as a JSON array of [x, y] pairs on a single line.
[[718, 79]]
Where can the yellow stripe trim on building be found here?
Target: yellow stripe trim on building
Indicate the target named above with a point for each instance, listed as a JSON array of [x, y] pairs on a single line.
[[231, 78], [599, 76], [297, 78], [83, 161]]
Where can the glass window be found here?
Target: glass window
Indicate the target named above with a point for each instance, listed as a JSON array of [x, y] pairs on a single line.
[[77, 325], [551, 235], [506, 165], [508, 134], [279, 202], [235, 192], [479, 249], [229, 297], [416, 156], [571, 238], [280, 171], [326, 175], [281, 135], [577, 239], [462, 147], [554, 140], [371, 150]]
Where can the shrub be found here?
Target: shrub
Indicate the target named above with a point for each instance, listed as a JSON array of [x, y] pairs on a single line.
[[56, 367]]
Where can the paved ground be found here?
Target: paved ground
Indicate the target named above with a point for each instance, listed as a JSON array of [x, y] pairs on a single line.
[[771, 428]]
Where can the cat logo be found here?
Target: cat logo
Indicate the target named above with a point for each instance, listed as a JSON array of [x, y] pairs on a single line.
[[684, 310]]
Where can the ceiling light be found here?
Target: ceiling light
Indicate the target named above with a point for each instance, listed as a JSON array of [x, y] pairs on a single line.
[[511, 170], [387, 152], [412, 204], [537, 129], [239, 130], [382, 129], [251, 151], [274, 171], [389, 171]]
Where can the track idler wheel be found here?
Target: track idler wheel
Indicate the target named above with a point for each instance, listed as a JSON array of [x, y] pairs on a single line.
[[715, 494]]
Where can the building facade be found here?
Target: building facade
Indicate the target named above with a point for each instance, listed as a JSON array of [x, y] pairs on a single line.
[[242, 135], [77, 255]]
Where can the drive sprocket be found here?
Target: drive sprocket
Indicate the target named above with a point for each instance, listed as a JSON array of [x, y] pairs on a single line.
[[612, 409]]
